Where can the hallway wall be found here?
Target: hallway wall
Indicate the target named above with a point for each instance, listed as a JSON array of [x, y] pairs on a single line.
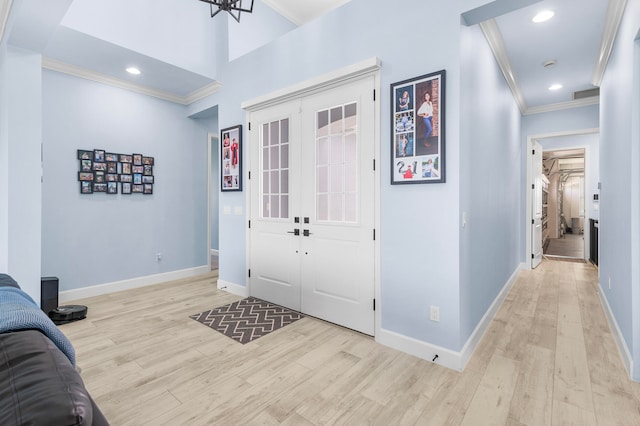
[[619, 257]]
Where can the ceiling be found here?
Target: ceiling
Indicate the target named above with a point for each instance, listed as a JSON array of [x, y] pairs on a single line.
[[302, 11], [577, 38]]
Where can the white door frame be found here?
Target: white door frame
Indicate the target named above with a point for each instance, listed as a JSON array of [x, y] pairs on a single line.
[[211, 140], [369, 66], [529, 191]]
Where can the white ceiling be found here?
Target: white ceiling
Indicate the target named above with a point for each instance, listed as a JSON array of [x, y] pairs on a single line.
[[302, 11], [572, 38], [576, 38]]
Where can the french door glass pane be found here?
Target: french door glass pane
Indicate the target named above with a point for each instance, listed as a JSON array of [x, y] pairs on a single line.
[[275, 169], [337, 164]]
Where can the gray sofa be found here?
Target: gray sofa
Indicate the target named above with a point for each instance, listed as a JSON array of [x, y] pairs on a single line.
[[39, 384]]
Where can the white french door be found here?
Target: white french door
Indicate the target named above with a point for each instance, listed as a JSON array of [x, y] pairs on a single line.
[[312, 204]]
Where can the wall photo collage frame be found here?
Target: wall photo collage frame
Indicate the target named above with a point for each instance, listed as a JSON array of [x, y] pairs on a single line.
[[112, 173], [417, 129]]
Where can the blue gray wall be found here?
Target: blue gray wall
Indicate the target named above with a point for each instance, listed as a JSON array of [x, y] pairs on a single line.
[[620, 193], [420, 255], [20, 136], [490, 243], [100, 238]]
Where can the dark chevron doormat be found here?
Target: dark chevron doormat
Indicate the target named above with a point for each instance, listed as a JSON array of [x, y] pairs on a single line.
[[248, 319]]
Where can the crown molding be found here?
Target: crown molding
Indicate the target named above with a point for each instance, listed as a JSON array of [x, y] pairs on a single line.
[[202, 93], [335, 77], [5, 8], [615, 11], [87, 74], [496, 43], [594, 100]]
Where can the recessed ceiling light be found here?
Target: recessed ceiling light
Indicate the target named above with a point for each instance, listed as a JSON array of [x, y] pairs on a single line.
[[133, 70], [543, 16], [555, 87]]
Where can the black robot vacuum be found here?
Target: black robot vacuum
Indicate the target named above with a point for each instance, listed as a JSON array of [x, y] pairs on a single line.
[[68, 313]]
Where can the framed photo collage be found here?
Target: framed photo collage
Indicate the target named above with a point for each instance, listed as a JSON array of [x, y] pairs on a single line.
[[417, 130], [113, 173]]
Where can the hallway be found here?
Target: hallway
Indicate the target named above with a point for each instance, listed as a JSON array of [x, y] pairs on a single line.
[[550, 352]]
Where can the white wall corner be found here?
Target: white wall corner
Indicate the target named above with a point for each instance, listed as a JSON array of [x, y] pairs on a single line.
[[237, 289], [108, 288]]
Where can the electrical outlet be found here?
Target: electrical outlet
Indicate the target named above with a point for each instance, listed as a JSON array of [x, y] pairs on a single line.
[[158, 257], [434, 313]]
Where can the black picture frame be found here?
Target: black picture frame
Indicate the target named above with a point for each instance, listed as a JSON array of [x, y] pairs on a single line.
[[86, 176], [231, 159], [112, 187], [85, 155], [98, 155], [418, 129], [86, 187], [99, 187], [113, 173], [86, 165]]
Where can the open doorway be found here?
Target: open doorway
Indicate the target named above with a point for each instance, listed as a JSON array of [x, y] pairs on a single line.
[[586, 140], [564, 203]]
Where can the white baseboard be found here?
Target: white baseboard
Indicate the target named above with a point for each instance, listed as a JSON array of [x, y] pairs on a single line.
[[446, 357], [485, 322], [100, 289], [623, 349], [239, 290]]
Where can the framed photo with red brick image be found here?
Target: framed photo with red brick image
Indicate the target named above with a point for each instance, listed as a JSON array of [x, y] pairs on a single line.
[[417, 129]]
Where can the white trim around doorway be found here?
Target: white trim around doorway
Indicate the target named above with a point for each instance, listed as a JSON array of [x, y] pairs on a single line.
[[529, 182], [370, 67]]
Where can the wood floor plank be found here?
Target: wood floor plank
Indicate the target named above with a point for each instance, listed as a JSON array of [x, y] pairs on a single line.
[[533, 394], [492, 398], [547, 358]]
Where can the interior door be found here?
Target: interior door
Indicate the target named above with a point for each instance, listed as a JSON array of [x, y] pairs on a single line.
[[274, 241], [338, 199], [536, 205], [312, 205]]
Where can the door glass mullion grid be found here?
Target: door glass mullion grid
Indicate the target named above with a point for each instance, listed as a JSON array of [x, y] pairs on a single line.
[[337, 164], [274, 169]]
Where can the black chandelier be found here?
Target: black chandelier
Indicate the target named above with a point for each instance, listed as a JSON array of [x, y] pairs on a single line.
[[234, 7]]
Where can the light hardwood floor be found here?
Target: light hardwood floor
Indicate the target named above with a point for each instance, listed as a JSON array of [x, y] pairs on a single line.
[[548, 358]]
